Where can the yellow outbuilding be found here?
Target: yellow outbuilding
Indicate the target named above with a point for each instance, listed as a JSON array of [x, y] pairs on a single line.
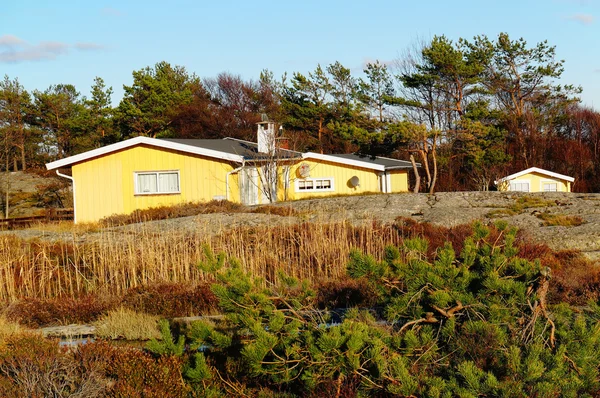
[[143, 172], [535, 179]]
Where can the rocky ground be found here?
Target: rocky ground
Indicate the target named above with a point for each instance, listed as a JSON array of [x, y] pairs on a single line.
[[446, 208]]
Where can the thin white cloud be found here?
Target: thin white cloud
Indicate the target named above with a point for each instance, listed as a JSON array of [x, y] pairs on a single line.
[[84, 46], [14, 49], [586, 19], [113, 12], [10, 40]]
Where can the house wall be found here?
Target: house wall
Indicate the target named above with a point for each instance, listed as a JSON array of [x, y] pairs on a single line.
[[341, 174], [399, 180], [536, 181], [105, 186]]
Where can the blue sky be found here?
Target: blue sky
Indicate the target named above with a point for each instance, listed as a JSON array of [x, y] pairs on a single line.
[[72, 41]]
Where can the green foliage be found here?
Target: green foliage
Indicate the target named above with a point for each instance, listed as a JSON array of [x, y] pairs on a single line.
[[167, 344], [468, 324], [149, 105]]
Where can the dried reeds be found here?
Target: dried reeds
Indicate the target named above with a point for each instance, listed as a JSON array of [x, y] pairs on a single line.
[[113, 261]]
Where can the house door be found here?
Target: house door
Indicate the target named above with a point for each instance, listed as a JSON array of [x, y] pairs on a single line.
[[249, 186], [268, 183]]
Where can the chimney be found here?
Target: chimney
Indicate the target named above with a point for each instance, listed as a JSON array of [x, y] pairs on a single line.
[[283, 143], [266, 136]]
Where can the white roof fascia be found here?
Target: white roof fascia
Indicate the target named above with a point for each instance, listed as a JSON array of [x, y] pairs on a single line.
[[147, 141], [539, 171], [335, 159]]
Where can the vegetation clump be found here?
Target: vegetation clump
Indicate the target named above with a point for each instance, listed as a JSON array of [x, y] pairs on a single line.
[[461, 323], [193, 209], [123, 323], [551, 219], [520, 205]]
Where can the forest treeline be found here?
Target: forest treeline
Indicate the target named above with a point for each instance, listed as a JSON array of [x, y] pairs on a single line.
[[469, 111]]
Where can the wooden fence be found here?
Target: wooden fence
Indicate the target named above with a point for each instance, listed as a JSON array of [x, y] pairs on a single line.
[[49, 216]]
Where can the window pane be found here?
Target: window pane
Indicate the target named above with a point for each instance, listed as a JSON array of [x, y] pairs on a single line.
[[327, 184], [550, 187], [519, 186], [146, 183], [168, 182]]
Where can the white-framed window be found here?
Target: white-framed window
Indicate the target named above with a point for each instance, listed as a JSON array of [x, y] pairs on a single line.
[[156, 182], [314, 184], [549, 186], [519, 186]]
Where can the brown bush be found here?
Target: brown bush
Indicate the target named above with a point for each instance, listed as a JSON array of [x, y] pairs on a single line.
[[36, 313], [284, 211], [136, 373], [346, 293], [171, 299], [174, 211], [436, 235], [31, 366]]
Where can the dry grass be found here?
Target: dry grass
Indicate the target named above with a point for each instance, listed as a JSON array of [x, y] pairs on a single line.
[[116, 261], [65, 227], [520, 205], [127, 324], [9, 328], [560, 220], [192, 209]]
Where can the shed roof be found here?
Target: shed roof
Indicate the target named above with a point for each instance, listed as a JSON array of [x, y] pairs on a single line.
[[535, 170], [369, 162]]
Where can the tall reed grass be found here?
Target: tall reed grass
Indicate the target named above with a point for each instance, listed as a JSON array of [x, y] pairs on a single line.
[[112, 261]]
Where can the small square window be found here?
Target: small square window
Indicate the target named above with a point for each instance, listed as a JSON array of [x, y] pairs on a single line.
[[314, 184], [156, 182]]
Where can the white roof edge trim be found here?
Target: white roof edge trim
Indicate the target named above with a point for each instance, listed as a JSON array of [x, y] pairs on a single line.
[[335, 159], [142, 140], [535, 170]]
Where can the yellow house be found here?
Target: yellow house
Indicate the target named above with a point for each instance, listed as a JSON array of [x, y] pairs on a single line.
[[144, 172], [535, 179]]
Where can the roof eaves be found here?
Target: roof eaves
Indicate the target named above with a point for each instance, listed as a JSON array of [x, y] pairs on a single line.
[[139, 141], [536, 170], [336, 159]]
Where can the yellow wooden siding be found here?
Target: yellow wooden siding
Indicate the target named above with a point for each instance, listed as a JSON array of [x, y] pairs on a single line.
[[105, 186], [341, 175], [535, 181], [399, 179]]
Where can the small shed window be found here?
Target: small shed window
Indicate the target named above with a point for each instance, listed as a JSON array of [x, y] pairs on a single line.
[[550, 187], [314, 185], [156, 182], [519, 186]]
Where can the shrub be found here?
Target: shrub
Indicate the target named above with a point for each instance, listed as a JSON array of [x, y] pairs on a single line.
[[171, 300], [471, 323], [8, 328], [345, 293], [37, 313], [284, 211], [31, 366], [135, 373], [560, 220], [126, 324], [174, 211]]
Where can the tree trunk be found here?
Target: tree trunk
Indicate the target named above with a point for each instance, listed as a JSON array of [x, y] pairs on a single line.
[[434, 177], [417, 176]]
